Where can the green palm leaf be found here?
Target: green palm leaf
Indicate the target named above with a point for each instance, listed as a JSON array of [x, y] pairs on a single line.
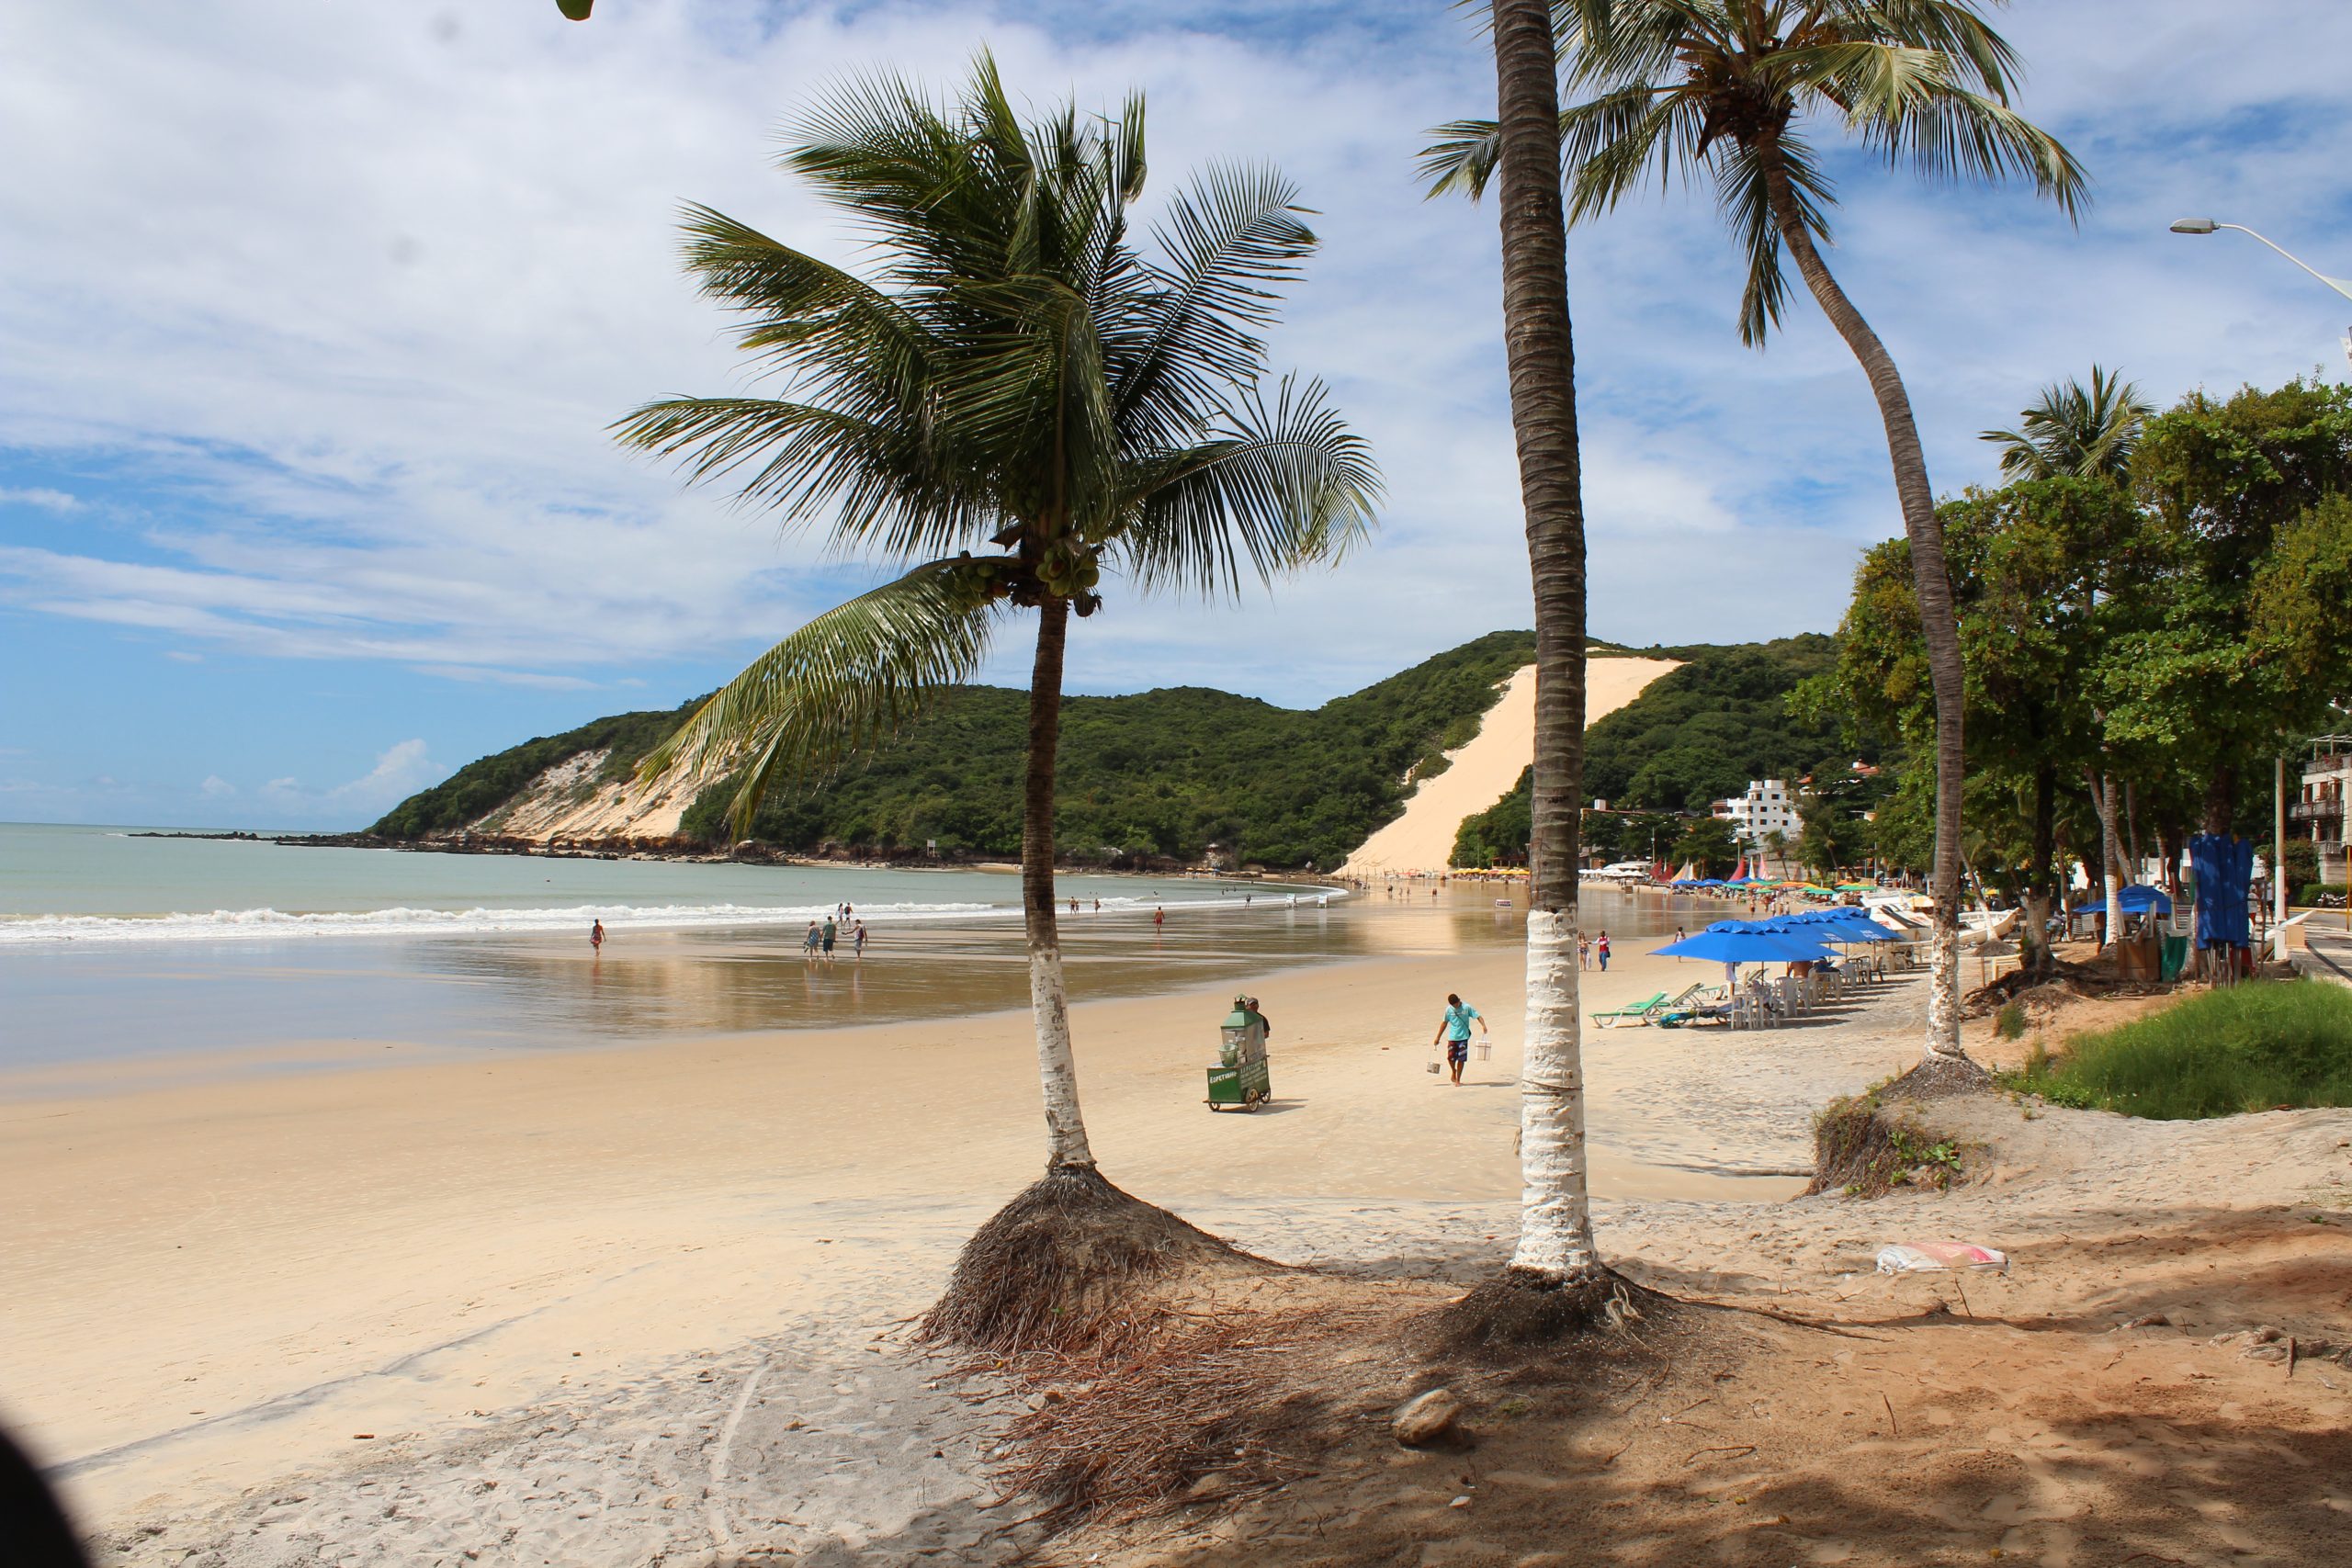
[[840, 685]]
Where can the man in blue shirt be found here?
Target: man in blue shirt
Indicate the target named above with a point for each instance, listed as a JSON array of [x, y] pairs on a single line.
[[1455, 1030]]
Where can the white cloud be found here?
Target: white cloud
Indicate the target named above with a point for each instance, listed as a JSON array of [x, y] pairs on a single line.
[[181, 656], [399, 773], [215, 787], [45, 499], [362, 286]]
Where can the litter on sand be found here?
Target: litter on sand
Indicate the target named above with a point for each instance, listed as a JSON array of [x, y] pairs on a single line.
[[1925, 1256]]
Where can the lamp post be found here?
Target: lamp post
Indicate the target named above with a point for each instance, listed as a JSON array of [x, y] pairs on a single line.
[[2206, 226]]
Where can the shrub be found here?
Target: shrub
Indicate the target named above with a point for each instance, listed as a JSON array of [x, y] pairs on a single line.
[[2009, 1022], [2320, 895], [2250, 1047]]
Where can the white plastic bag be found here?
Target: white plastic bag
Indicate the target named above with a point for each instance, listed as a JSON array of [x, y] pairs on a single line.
[[1926, 1256]]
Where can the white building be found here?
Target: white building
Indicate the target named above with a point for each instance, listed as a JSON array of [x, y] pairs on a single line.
[[1766, 809], [2320, 812]]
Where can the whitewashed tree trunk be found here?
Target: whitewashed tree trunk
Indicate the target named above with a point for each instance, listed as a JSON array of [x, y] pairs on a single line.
[[1556, 1223], [2111, 852], [1066, 1145], [1556, 1210]]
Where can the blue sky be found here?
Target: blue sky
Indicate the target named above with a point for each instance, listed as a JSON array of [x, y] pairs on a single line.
[[312, 319]]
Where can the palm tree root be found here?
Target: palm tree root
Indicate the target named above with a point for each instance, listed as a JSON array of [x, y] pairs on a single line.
[[1937, 1075], [1062, 1267], [1521, 1309]]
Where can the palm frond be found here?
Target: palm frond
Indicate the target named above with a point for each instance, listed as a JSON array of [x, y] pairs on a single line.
[[1278, 485], [1955, 135], [1232, 238], [1463, 158], [2085, 432], [1744, 198], [838, 686]]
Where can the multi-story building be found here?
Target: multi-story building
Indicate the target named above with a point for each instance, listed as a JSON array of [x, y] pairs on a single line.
[[2320, 811], [1766, 809]]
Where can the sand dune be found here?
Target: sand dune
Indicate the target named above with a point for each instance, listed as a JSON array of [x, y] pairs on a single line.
[[1488, 767]]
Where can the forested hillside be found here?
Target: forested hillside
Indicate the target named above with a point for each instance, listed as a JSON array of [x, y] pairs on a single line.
[[1696, 735], [1164, 772], [479, 788]]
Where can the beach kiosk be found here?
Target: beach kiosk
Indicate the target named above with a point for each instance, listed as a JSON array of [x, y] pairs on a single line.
[[1240, 1078]]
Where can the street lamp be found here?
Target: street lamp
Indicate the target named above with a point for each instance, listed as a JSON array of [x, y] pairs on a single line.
[[2206, 226]]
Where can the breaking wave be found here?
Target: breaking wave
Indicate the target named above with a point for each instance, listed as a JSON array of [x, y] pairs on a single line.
[[274, 925]]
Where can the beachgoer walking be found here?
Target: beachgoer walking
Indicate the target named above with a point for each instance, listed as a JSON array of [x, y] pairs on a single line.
[[809, 942], [1097, 905], [1584, 951], [1158, 918], [1455, 1030], [596, 935], [1600, 949], [857, 939], [830, 932]]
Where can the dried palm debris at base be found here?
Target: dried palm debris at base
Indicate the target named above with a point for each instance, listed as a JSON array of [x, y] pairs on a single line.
[[1214, 1407], [1062, 1266]]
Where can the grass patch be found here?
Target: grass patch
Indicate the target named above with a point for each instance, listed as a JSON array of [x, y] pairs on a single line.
[[2009, 1022], [2252, 1048]]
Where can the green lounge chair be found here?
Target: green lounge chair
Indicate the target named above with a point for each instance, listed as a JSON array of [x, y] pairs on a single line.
[[1638, 1011]]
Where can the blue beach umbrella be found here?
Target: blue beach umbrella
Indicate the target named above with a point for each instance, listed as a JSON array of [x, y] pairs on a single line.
[[1745, 946]]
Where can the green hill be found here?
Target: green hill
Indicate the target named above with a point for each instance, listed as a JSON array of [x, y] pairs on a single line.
[[1695, 735], [1159, 773]]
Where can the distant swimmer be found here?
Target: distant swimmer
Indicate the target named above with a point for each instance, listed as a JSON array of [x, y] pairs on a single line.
[[596, 935]]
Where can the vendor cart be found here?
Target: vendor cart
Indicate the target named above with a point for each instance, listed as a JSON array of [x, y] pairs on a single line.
[[1240, 1079]]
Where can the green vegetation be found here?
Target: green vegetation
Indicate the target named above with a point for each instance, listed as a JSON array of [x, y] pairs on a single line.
[[479, 788], [2009, 1022], [1695, 735], [1159, 774], [2250, 1047]]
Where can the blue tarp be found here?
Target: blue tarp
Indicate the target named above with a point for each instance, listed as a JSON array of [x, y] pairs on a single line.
[[2224, 870], [2138, 899]]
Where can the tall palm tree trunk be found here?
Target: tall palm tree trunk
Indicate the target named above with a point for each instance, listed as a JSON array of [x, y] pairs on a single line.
[[1931, 581], [2042, 878], [2111, 852], [1555, 1218], [1048, 998]]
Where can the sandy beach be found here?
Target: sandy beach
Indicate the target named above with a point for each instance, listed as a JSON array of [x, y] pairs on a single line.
[[647, 1304], [210, 1278]]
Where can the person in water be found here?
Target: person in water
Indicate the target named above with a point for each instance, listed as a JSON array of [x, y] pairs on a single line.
[[1455, 1030], [857, 939], [596, 935], [830, 931]]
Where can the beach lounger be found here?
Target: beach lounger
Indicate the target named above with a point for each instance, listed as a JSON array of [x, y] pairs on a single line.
[[1639, 1012]]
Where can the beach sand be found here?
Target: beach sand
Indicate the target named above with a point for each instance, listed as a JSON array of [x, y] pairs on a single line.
[[646, 1304], [1488, 767]]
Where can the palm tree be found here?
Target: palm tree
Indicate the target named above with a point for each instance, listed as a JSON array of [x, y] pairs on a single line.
[[1017, 399], [2076, 431], [2088, 433], [1730, 89], [1555, 1278]]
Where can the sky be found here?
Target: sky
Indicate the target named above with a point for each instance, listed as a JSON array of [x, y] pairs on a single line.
[[313, 319]]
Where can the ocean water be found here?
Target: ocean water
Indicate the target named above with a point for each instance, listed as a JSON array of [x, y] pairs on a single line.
[[109, 885], [127, 961]]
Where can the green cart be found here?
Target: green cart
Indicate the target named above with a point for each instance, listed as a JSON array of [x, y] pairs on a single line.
[[1240, 1079]]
